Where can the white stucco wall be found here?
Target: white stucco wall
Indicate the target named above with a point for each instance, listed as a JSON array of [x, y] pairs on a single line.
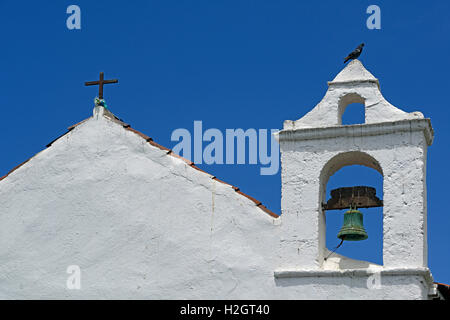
[[139, 223], [142, 224]]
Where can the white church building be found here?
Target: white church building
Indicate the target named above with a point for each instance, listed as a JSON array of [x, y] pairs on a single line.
[[107, 213]]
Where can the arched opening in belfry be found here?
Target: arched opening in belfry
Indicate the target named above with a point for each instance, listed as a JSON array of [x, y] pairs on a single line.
[[351, 110], [355, 113], [352, 169]]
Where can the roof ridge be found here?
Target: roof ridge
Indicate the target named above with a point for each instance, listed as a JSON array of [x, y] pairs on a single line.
[[170, 152]]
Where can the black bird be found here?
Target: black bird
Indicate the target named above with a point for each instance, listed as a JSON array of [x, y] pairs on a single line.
[[355, 54]]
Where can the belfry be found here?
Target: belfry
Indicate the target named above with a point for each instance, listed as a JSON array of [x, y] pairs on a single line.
[[316, 146]]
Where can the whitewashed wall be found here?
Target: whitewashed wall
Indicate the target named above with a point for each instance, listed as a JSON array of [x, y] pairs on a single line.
[[139, 223], [145, 225]]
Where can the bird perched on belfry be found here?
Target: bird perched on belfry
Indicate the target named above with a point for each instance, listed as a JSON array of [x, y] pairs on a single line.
[[355, 54]]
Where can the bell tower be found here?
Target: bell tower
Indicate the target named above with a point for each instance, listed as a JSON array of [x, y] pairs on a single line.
[[316, 146]]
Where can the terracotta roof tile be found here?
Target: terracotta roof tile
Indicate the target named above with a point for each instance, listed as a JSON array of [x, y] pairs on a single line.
[[197, 168], [189, 162], [218, 180], [153, 143], [443, 284], [139, 133], [257, 202], [14, 169], [269, 212], [444, 289], [75, 125]]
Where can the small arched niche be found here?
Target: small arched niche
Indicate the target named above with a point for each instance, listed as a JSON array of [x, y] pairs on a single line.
[[351, 109], [346, 170]]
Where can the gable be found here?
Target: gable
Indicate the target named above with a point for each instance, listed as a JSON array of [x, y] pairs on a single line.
[[152, 143], [130, 214]]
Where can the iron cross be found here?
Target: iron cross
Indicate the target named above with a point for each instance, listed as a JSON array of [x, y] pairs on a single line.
[[100, 84]]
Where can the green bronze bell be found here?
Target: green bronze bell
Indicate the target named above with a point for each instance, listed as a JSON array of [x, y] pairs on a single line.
[[353, 229]]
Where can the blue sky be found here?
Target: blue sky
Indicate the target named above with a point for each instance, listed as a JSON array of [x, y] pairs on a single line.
[[232, 64]]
